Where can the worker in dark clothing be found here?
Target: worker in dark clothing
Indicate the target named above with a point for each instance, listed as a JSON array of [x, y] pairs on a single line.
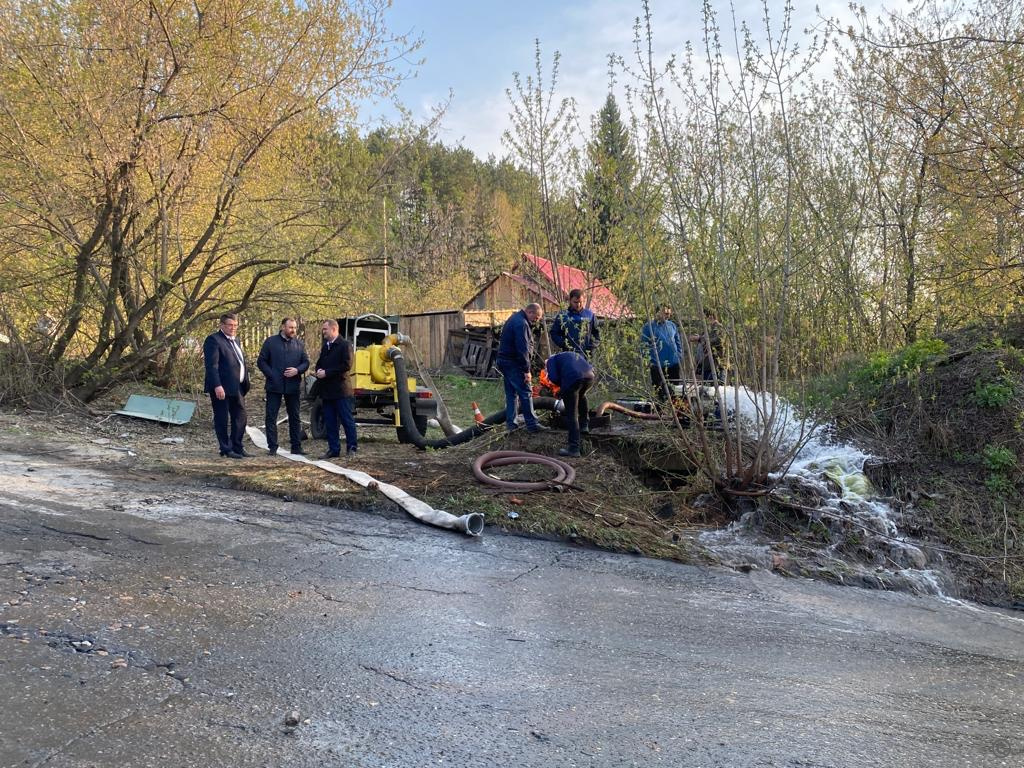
[[710, 349], [515, 351], [574, 375], [575, 328]]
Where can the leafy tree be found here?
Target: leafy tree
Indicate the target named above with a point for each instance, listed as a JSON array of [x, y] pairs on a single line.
[[724, 144], [937, 91], [540, 138], [447, 220], [155, 162]]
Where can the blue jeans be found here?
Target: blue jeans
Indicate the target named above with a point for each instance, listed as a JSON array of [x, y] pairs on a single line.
[[517, 388], [341, 410]]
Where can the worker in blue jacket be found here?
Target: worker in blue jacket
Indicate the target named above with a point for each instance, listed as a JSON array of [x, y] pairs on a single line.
[[515, 351], [574, 375], [575, 328], [664, 348]]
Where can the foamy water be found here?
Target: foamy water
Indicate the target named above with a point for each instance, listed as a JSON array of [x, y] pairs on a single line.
[[834, 471]]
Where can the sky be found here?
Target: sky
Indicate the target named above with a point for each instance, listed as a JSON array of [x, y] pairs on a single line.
[[471, 48]]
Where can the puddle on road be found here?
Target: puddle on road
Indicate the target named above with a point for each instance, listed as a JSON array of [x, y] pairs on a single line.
[[52, 487], [61, 485]]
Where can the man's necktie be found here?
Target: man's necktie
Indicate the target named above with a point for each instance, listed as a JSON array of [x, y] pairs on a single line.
[[241, 359]]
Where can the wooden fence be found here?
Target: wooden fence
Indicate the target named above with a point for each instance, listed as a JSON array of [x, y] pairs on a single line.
[[451, 339], [429, 331]]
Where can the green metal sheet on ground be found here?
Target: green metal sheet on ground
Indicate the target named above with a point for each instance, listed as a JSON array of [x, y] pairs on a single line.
[[160, 409]]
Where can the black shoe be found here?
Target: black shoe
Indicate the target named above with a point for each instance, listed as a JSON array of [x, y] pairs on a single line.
[[538, 428], [242, 454], [584, 430], [271, 451], [350, 451], [331, 455], [572, 453], [297, 452], [230, 455]]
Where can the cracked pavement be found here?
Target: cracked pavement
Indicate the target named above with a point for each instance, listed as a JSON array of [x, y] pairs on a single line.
[[145, 621]]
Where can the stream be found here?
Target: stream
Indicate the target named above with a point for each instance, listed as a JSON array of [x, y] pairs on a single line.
[[861, 542]]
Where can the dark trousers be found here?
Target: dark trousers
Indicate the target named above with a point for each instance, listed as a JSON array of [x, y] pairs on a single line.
[[230, 410], [704, 372], [291, 405], [335, 411], [516, 388], [661, 379], [577, 412]]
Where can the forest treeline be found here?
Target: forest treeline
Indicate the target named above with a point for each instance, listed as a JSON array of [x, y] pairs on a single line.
[[827, 192]]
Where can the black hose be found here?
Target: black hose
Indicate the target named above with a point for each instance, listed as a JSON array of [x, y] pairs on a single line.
[[409, 422]]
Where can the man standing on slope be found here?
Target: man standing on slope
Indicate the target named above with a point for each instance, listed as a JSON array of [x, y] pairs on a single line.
[[660, 338], [515, 355]]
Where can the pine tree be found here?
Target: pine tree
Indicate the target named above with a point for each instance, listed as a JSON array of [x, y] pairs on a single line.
[[603, 211]]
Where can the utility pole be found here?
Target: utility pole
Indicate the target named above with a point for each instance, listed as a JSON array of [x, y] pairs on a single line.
[[385, 209]]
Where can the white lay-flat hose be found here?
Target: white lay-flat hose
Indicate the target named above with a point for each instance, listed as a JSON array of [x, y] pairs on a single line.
[[472, 524]]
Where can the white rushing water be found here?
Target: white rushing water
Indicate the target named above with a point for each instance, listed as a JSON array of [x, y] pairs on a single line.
[[833, 471]]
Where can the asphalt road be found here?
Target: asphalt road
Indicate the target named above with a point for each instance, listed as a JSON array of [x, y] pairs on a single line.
[[148, 623]]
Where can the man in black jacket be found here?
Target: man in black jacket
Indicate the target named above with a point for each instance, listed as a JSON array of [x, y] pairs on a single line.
[[334, 385], [515, 357], [227, 381], [283, 360]]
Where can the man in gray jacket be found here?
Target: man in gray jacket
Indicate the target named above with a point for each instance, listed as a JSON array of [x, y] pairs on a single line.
[[283, 360]]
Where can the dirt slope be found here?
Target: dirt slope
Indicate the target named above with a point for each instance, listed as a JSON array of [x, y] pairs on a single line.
[[949, 415]]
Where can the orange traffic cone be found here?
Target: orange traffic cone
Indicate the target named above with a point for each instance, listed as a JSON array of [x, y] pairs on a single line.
[[477, 416]]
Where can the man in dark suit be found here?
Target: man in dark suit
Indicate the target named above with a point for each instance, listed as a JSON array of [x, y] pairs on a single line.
[[334, 385], [283, 360], [227, 381]]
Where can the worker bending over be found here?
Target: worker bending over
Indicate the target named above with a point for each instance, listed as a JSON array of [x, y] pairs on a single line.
[[573, 374]]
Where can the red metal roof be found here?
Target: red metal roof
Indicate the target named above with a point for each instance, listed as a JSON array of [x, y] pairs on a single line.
[[600, 299]]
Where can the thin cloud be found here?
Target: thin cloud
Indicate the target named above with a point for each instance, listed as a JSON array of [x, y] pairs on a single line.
[[478, 68]]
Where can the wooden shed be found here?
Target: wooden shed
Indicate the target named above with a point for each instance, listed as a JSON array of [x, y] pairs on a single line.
[[508, 293], [539, 281], [473, 348]]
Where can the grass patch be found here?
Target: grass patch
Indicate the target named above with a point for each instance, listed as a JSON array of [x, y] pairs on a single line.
[[460, 392]]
